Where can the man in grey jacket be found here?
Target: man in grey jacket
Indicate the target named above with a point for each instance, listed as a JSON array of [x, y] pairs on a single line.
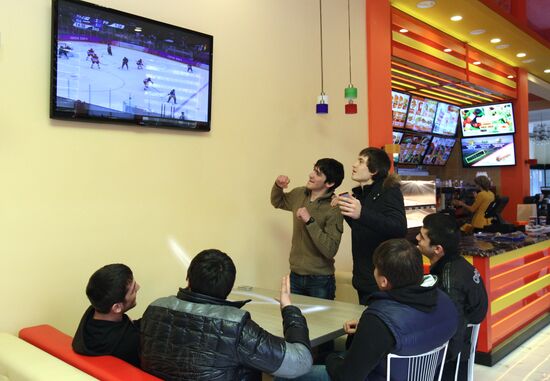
[[199, 335]]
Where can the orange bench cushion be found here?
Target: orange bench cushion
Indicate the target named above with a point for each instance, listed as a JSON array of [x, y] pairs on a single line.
[[105, 368]]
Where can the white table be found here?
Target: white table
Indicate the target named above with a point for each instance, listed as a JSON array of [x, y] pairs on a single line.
[[325, 318]]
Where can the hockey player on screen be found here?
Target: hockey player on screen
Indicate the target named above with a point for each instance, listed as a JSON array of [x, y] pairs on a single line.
[[109, 50], [172, 95], [189, 68], [146, 83], [125, 63], [90, 53], [95, 61], [139, 64], [64, 51]]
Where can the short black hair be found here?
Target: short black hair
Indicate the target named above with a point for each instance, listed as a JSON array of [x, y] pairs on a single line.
[[212, 273], [443, 230], [379, 162], [400, 262], [333, 170], [108, 286]]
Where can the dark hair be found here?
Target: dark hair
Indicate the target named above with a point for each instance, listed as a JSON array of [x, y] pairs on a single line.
[[108, 286], [333, 170], [378, 163], [483, 182], [443, 230], [400, 262], [212, 273]]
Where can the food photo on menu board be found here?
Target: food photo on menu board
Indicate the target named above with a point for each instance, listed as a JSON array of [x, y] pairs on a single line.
[[413, 148], [487, 120], [397, 135], [421, 114], [446, 119], [488, 151], [438, 151], [399, 105]]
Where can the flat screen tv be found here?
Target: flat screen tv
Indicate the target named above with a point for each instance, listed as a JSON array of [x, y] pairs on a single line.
[[112, 66], [399, 106], [446, 119], [487, 120], [413, 147], [421, 114], [397, 135], [488, 151], [438, 151]]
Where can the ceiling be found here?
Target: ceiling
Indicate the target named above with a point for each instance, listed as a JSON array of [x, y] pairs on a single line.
[[477, 16]]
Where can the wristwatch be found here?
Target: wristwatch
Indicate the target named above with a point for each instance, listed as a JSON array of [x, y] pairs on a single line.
[[310, 221]]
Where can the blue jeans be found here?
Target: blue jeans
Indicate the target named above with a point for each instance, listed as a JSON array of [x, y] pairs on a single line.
[[317, 373], [318, 286]]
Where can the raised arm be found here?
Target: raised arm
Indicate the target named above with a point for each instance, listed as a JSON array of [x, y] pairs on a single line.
[[280, 199]]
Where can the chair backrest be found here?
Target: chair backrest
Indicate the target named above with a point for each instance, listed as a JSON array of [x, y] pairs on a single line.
[[421, 367], [471, 360], [495, 209]]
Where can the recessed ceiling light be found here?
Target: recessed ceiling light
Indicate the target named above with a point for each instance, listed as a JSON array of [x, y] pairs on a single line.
[[476, 32], [528, 60], [547, 71], [403, 30], [521, 55], [137, 29], [510, 76], [456, 18], [503, 46], [495, 40], [476, 63], [447, 50], [425, 4]]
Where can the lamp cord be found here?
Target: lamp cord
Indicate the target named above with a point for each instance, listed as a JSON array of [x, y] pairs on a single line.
[[321, 34], [349, 43]]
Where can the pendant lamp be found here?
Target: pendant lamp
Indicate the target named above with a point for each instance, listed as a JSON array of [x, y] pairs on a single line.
[[322, 100], [350, 92]]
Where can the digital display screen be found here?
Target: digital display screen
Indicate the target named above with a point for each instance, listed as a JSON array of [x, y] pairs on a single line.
[[397, 135], [487, 120], [438, 151], [399, 106], [413, 148], [446, 119], [488, 151], [421, 114]]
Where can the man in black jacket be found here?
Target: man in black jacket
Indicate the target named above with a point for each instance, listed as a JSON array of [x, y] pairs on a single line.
[[375, 213], [105, 329], [199, 335], [438, 240]]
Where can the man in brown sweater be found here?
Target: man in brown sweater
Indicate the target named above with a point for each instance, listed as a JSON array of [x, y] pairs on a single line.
[[317, 228]]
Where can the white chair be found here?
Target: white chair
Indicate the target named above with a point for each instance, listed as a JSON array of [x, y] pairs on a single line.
[[471, 360], [422, 367]]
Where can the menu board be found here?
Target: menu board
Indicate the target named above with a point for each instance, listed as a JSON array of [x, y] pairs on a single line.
[[421, 114], [487, 120], [413, 148], [399, 105], [397, 135], [446, 119], [488, 151], [438, 151]]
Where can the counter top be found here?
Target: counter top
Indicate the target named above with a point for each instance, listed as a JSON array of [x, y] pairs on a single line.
[[488, 245]]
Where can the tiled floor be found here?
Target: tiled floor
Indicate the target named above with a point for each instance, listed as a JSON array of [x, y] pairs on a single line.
[[529, 362]]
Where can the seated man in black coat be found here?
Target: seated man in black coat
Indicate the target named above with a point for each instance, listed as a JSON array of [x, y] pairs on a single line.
[[438, 240], [199, 335], [105, 329]]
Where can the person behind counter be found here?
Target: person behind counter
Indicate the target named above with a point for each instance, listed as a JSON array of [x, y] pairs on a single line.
[[480, 205]]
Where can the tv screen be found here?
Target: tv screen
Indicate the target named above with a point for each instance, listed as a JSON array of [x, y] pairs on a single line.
[[487, 120], [421, 114], [112, 66], [488, 151], [413, 147], [400, 103], [438, 151], [397, 135], [446, 119]]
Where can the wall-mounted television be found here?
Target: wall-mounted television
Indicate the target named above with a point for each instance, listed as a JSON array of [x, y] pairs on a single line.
[[446, 119], [399, 106], [438, 151], [112, 66], [421, 114], [413, 147], [488, 151], [397, 135], [487, 120]]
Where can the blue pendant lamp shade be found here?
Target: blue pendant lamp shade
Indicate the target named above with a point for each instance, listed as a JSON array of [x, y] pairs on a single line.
[[350, 92], [322, 100]]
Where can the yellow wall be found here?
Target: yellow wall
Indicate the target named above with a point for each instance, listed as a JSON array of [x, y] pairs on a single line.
[[76, 196]]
